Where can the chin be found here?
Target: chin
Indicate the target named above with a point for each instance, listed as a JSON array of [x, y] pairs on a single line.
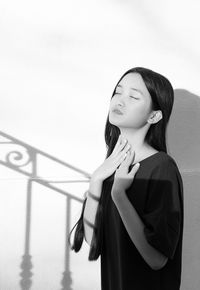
[[113, 122]]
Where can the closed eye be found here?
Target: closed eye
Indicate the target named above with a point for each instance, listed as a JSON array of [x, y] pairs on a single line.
[[117, 93]]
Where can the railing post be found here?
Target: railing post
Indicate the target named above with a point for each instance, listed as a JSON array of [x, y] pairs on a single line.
[[67, 279], [26, 264]]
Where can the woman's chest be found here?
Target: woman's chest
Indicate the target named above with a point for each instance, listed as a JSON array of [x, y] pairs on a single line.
[[137, 194]]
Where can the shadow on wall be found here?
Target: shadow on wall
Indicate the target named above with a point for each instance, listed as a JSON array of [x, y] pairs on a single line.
[[183, 137], [15, 158]]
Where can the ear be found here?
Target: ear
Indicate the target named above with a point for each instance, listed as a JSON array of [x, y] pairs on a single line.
[[155, 117]]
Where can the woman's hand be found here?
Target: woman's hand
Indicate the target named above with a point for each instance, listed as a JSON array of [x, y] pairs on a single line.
[[113, 161], [123, 179]]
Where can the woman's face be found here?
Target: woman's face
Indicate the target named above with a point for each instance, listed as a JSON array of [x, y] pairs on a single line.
[[133, 100]]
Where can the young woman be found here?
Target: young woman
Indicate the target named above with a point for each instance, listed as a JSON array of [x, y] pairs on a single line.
[[132, 215]]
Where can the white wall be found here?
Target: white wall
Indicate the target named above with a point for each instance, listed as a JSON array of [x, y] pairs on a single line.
[[59, 63]]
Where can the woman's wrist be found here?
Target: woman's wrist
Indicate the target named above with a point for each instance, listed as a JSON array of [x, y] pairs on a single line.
[[95, 177], [95, 187], [93, 196]]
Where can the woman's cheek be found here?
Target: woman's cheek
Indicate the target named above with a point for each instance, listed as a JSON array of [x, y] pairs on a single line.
[[139, 117]]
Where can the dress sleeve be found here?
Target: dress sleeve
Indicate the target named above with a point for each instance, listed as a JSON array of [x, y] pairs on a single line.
[[162, 217]]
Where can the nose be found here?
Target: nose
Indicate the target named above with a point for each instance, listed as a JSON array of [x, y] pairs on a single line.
[[121, 96], [120, 101]]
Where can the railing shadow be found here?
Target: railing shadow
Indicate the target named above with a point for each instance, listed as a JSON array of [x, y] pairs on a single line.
[[23, 158], [26, 264], [183, 137]]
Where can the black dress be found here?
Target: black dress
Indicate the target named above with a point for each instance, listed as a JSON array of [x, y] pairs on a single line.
[[157, 195]]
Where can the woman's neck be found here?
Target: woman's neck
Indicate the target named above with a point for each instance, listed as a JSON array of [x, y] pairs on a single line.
[[141, 148]]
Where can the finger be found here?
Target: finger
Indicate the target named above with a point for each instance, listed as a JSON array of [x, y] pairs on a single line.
[[134, 169], [128, 161], [123, 153], [123, 143], [121, 146], [125, 149], [130, 157], [124, 161], [123, 157], [117, 143]]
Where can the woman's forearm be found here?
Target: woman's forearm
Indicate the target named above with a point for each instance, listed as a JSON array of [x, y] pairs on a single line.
[[135, 229], [90, 210]]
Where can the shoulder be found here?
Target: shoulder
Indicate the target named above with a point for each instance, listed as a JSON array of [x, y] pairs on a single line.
[[165, 159], [165, 166]]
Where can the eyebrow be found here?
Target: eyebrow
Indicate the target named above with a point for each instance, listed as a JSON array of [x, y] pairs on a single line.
[[134, 89]]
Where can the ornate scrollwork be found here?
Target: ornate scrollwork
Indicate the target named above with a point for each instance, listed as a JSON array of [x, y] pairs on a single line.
[[17, 158]]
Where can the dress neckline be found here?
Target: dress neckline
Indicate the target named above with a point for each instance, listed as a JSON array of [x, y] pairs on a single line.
[[147, 158]]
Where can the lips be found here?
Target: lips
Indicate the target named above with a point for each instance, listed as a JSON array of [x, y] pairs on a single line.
[[117, 111]]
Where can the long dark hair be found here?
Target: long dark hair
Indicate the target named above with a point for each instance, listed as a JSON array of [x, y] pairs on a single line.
[[162, 96]]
